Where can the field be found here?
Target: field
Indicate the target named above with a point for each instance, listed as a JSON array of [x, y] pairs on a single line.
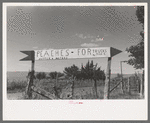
[[17, 83]]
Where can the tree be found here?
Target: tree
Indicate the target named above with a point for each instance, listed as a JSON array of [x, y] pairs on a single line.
[[41, 75], [89, 71], [137, 51], [92, 72], [140, 14], [53, 75], [72, 71]]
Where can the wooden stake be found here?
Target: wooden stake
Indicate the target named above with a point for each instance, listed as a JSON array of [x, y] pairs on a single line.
[[141, 85], [114, 87], [44, 93], [29, 90], [74, 78], [107, 81], [129, 84], [122, 84]]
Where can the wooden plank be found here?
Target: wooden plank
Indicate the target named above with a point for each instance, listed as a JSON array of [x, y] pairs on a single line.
[[107, 80], [114, 87], [56, 54], [43, 93]]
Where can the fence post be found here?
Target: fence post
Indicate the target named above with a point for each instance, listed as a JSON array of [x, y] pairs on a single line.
[[107, 80], [129, 84], [141, 85], [29, 90], [121, 84], [143, 82], [74, 78]]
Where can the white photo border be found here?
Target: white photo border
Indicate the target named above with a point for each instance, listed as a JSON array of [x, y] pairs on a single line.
[[61, 109]]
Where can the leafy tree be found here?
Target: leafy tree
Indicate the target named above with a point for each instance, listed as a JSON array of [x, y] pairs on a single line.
[[137, 51], [140, 14], [72, 71], [87, 72], [41, 75], [92, 72], [53, 75]]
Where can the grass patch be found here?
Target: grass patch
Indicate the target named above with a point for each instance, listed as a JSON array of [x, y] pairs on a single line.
[[16, 86], [83, 88]]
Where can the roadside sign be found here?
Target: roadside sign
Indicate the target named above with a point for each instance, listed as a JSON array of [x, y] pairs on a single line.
[[54, 54]]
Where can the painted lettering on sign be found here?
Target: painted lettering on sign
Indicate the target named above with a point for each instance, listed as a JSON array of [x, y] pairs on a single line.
[[72, 53]]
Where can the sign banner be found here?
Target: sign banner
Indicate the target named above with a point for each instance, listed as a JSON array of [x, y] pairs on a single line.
[[72, 53], [53, 54]]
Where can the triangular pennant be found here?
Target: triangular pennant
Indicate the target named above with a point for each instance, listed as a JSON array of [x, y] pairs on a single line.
[[29, 57], [114, 51]]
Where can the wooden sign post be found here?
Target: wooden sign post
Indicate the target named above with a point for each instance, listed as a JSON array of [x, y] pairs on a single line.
[[29, 91], [107, 80], [60, 54], [30, 57]]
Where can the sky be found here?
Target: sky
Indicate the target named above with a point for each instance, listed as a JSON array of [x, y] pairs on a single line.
[[60, 27]]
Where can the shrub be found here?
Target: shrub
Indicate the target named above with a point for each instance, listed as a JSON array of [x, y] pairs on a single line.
[[16, 86], [53, 75], [41, 75]]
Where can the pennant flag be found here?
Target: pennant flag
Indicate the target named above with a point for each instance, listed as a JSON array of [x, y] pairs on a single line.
[[30, 56], [114, 51]]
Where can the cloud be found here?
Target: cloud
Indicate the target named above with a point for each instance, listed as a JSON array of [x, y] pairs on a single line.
[[83, 36], [97, 40], [89, 45]]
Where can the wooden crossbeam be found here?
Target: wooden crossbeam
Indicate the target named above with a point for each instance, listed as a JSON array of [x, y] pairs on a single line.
[[114, 87], [43, 93]]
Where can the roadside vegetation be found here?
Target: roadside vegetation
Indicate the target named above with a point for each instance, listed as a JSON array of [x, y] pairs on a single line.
[[16, 86]]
